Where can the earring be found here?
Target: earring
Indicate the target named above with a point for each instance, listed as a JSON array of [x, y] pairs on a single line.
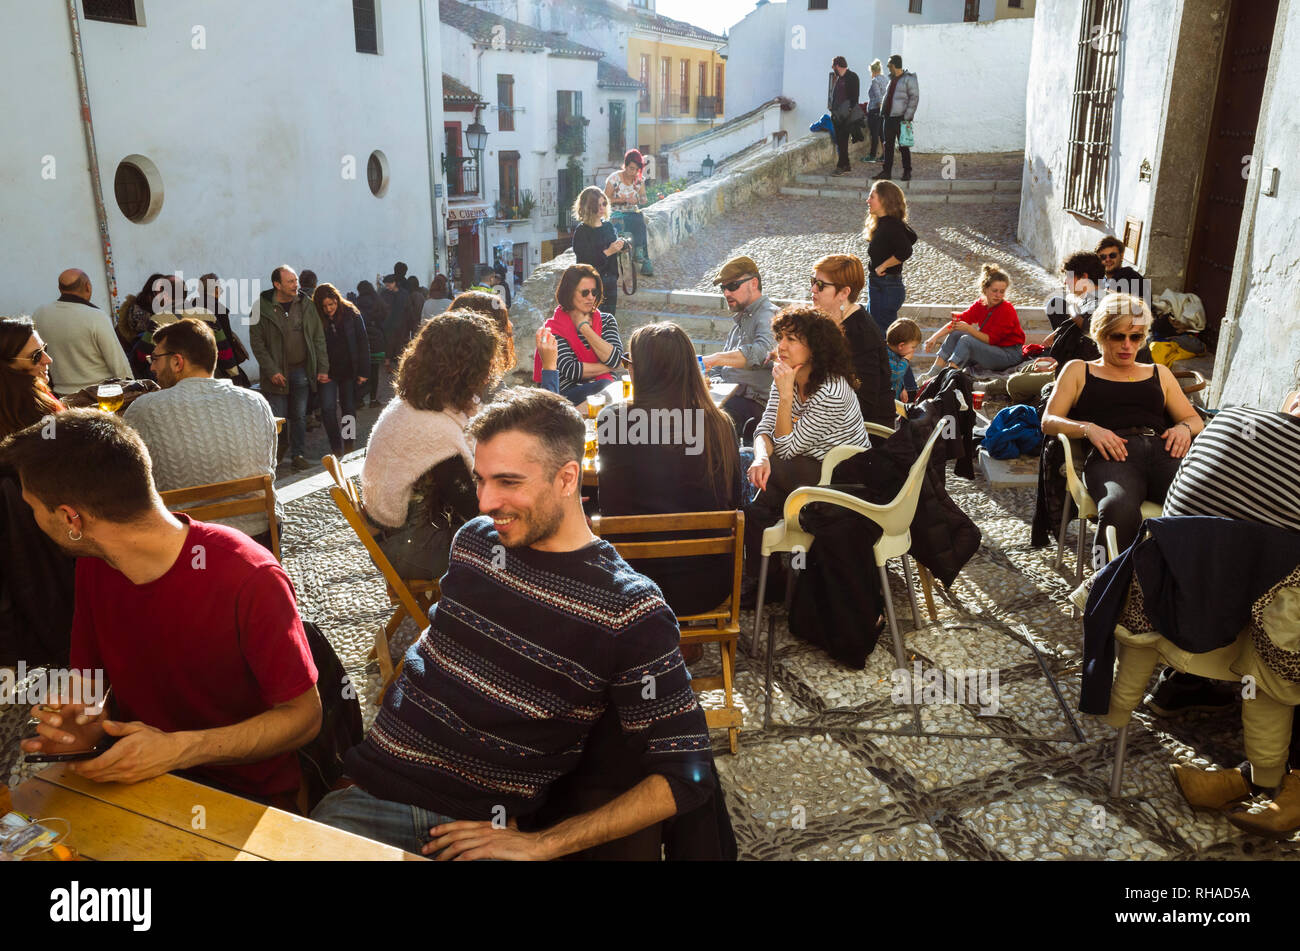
[[843, 308], [72, 537]]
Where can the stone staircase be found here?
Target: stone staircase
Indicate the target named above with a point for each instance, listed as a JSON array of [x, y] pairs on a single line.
[[856, 186], [707, 321]]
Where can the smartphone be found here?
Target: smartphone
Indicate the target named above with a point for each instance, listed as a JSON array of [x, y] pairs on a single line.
[[69, 756]]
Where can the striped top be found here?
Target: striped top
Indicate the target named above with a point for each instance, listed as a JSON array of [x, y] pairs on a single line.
[[525, 651], [570, 367], [1245, 465], [830, 417]]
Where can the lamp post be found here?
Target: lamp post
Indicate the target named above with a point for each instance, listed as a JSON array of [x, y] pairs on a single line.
[[476, 138], [707, 166]]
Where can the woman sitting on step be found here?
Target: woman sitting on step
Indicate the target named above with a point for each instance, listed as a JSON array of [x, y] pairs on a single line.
[[986, 334]]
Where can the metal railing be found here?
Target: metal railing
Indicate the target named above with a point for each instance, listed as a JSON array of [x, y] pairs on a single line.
[[462, 176]]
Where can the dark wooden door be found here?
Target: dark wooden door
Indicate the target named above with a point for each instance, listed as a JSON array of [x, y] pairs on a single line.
[[1244, 68], [972, 11]]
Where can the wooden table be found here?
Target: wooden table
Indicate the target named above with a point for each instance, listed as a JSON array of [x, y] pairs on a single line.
[[155, 820]]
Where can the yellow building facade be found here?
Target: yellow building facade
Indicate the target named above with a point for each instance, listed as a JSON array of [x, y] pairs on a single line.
[[684, 81]]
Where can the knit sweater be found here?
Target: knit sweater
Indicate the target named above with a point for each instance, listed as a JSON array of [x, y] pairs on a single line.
[[82, 345], [405, 444], [525, 651], [204, 430]]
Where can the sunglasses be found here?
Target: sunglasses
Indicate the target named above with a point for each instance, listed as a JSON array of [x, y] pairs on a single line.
[[822, 285], [736, 285], [1132, 338], [587, 292], [36, 356], [1111, 256]]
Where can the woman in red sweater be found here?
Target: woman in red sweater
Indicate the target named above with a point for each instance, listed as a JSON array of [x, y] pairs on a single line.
[[988, 334]]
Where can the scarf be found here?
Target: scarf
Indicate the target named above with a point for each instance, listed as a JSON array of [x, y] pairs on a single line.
[[561, 325]]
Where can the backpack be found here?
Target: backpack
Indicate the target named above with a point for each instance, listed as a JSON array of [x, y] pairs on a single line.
[[321, 760]]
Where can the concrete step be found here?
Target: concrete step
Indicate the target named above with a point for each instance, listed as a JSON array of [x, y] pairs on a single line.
[[916, 185], [985, 197], [671, 305]]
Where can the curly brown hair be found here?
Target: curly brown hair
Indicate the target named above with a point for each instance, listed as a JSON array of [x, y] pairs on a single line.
[[830, 351], [451, 361], [494, 308]]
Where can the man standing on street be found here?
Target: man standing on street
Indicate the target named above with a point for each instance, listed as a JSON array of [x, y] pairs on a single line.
[[842, 101], [80, 338], [742, 358], [901, 100], [289, 344]]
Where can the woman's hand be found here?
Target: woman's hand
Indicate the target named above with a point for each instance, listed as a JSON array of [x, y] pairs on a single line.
[[783, 376], [880, 271], [547, 347], [1178, 439], [759, 471], [1108, 444], [960, 326]]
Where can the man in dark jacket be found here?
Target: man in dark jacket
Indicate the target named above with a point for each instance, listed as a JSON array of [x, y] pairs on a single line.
[[398, 328], [842, 101]]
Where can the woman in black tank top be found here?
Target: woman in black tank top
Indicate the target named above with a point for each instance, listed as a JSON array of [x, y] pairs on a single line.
[[1135, 417]]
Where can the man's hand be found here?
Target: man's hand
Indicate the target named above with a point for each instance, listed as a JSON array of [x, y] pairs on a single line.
[[361, 380], [467, 841], [711, 359], [143, 752], [322, 377], [279, 380], [64, 728]]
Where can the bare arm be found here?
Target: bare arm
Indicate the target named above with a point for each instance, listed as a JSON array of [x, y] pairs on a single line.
[[727, 358]]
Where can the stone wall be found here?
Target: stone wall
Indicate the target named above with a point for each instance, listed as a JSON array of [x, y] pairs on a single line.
[[668, 221]]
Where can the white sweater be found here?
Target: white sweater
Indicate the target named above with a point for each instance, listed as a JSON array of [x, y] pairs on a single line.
[[405, 443], [203, 430], [83, 346]]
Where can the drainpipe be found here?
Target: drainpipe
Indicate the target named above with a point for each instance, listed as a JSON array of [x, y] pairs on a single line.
[[92, 155], [428, 125]]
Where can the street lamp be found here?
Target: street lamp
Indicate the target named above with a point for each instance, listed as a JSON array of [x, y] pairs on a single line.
[[476, 138], [707, 166]]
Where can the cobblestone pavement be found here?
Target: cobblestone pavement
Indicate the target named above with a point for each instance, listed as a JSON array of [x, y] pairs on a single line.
[[785, 235]]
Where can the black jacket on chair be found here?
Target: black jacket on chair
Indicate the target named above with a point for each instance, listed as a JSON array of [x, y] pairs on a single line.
[[37, 584]]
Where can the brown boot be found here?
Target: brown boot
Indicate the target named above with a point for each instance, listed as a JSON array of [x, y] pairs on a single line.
[[1280, 817], [1210, 789]]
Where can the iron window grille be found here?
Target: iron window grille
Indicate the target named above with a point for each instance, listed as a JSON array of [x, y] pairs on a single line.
[[1092, 117], [366, 26]]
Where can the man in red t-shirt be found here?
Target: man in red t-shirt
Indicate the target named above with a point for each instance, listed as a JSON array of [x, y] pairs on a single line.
[[194, 625]]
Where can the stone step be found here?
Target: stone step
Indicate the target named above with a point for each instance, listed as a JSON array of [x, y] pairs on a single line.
[[672, 305], [986, 197], [916, 185]]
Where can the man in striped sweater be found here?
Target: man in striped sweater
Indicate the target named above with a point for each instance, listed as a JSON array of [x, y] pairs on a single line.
[[541, 627]]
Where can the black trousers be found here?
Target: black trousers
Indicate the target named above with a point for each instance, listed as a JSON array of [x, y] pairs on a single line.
[[893, 125], [842, 146], [768, 508], [742, 411], [1120, 487], [873, 125]]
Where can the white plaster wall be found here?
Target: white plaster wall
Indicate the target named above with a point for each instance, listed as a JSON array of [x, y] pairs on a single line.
[[858, 30], [249, 135], [755, 54], [723, 142], [1262, 365], [1045, 228], [973, 79]]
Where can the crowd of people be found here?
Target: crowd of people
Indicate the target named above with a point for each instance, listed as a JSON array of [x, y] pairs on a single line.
[[524, 699]]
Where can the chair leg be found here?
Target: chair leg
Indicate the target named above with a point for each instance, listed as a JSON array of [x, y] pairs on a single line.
[[927, 588], [1117, 771], [911, 592], [767, 685], [758, 605], [1078, 566], [728, 676], [1065, 524], [899, 656]]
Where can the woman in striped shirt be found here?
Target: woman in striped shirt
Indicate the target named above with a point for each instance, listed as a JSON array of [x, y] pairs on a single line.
[[811, 410], [588, 340]]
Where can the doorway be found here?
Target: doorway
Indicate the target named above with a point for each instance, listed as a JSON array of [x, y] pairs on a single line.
[[1248, 41]]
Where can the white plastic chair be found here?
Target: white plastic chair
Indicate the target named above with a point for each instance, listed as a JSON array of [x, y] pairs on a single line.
[[894, 519]]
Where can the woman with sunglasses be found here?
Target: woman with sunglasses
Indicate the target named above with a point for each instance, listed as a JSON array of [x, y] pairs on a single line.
[[25, 394], [837, 281], [588, 340], [1135, 416]]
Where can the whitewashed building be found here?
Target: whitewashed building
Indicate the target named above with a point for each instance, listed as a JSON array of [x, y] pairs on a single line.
[[558, 118], [1173, 125], [225, 139]]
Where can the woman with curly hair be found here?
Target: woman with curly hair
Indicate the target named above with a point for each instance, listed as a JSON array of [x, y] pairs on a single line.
[[494, 308], [349, 352], [811, 410], [416, 479]]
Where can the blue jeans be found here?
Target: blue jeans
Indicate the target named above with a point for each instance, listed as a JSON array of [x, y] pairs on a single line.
[[885, 296], [292, 406], [634, 222], [393, 823], [576, 393], [964, 350], [333, 395]]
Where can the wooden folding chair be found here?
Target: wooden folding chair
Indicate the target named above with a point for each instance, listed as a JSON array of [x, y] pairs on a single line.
[[411, 597], [720, 626], [263, 503]]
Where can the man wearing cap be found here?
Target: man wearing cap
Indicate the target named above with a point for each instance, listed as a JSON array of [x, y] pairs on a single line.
[[748, 344], [625, 190]]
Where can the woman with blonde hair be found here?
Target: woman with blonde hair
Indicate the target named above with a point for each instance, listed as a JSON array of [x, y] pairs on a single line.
[[987, 334], [875, 99], [837, 283], [1135, 416], [595, 242], [890, 241]]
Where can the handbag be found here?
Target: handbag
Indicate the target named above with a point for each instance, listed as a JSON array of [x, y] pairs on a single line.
[[905, 137]]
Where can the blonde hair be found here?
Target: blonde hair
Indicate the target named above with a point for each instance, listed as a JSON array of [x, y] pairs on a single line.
[[903, 331], [876, 66], [1116, 309], [586, 208], [992, 274], [893, 200]]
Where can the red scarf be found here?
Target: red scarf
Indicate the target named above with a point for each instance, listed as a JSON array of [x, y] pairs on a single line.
[[561, 324]]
